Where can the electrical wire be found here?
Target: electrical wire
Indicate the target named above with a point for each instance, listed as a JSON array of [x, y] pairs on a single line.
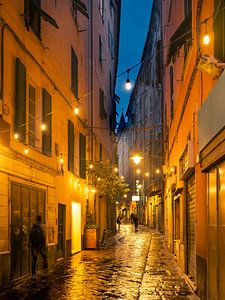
[[120, 74]]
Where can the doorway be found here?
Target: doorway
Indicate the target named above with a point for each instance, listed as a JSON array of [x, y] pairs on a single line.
[[26, 204], [76, 227], [61, 230]]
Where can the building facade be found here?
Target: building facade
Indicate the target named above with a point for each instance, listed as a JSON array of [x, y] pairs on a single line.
[[48, 71], [193, 89]]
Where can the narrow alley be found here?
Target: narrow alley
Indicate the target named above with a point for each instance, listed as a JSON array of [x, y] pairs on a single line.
[[133, 265]]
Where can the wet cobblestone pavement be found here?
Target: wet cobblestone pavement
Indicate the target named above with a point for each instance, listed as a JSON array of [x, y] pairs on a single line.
[[134, 265]]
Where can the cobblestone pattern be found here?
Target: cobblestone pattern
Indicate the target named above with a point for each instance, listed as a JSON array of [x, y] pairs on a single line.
[[163, 279], [132, 265]]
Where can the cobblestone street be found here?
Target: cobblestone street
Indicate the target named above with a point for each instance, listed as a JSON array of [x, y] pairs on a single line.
[[133, 265]]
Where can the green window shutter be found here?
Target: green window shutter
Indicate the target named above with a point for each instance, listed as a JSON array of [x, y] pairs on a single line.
[[32, 115], [70, 146], [20, 101], [47, 120], [74, 73], [82, 152]]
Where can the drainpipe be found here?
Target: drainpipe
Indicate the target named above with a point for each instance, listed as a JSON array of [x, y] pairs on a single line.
[[2, 65], [92, 83]]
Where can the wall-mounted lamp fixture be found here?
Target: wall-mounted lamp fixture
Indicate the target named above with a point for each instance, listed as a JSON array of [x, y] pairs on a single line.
[[206, 37], [61, 164]]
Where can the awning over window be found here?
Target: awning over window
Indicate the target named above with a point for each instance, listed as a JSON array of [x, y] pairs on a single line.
[[179, 38]]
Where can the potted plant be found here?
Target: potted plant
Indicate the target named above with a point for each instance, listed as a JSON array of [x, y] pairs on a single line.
[[90, 232]]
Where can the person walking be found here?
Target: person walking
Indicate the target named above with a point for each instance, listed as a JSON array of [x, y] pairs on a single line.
[[132, 218], [118, 222], [136, 223], [38, 244]]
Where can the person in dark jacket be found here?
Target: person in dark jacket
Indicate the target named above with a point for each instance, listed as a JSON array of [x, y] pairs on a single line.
[[38, 244], [136, 223], [118, 222]]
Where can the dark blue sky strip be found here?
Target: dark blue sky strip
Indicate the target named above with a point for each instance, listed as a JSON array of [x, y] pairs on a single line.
[[135, 17]]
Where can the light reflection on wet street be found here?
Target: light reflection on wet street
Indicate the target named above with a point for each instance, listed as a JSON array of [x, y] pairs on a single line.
[[125, 269]]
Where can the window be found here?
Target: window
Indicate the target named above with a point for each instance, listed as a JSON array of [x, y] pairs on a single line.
[[171, 93], [20, 101], [219, 29], [82, 150], [78, 5], [33, 16], [74, 73], [70, 146], [102, 112], [47, 120], [110, 41], [100, 50], [32, 115], [102, 9]]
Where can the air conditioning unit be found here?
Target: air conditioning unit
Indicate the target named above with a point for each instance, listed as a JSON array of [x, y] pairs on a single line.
[[186, 161]]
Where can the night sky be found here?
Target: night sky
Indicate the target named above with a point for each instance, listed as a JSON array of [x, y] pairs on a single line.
[[135, 17]]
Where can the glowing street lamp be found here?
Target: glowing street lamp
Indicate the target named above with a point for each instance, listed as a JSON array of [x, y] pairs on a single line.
[[136, 159], [206, 39]]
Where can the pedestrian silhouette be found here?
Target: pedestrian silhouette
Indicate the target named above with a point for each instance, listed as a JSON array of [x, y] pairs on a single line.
[[38, 244], [132, 218], [118, 222], [136, 223]]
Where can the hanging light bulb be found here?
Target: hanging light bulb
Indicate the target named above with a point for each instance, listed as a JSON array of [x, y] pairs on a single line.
[[128, 85], [76, 110]]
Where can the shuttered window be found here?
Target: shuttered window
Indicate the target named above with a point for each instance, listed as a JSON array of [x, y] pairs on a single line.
[[219, 29], [33, 16], [102, 112], [70, 146], [47, 120], [74, 73], [32, 113], [82, 152], [20, 101], [100, 57]]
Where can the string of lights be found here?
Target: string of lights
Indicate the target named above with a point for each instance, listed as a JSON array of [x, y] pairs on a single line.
[[127, 71]]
